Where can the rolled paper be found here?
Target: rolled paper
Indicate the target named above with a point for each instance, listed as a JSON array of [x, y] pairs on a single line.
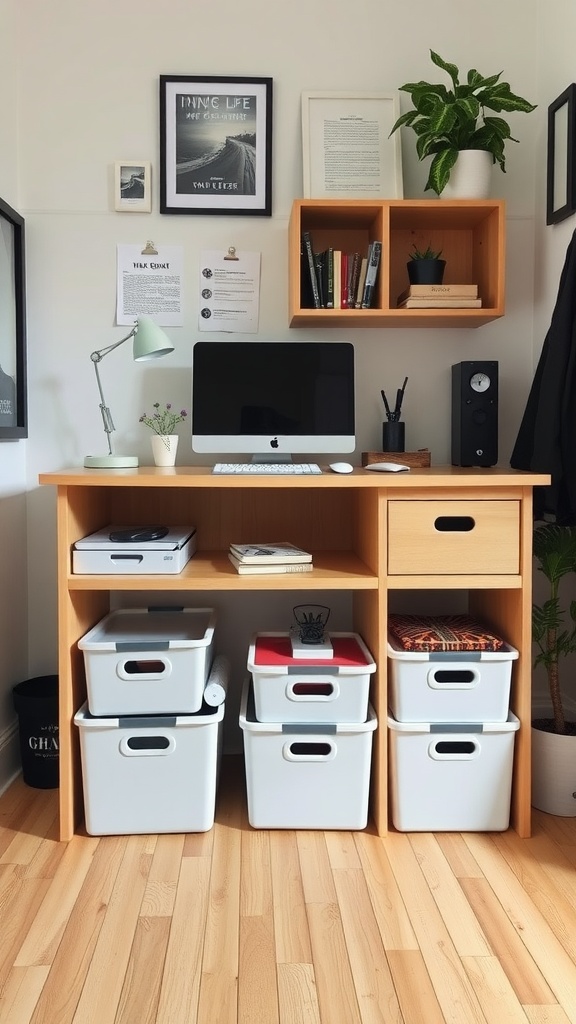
[[217, 685]]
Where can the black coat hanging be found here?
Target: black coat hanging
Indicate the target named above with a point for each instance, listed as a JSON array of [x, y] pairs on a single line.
[[546, 441]]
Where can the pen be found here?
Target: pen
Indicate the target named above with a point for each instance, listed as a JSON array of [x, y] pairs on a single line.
[[386, 406], [399, 400]]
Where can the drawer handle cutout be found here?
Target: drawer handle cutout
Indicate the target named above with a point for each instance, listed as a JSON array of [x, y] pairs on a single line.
[[455, 747], [454, 524], [313, 689]]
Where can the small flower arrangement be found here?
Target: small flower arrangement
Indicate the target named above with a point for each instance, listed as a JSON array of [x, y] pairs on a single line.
[[163, 421]]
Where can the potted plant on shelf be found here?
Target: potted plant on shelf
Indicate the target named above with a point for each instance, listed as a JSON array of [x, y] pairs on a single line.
[[451, 121], [425, 265], [164, 441], [554, 738]]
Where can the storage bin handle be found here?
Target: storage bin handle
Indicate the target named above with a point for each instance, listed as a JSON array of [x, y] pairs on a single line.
[[456, 749], [147, 746], [309, 749], [146, 669], [453, 678], [307, 690]]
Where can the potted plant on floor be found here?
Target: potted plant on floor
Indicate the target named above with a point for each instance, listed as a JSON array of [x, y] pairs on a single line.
[[450, 121], [425, 266], [554, 738]]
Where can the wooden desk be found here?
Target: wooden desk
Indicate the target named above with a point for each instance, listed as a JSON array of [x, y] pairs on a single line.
[[372, 534]]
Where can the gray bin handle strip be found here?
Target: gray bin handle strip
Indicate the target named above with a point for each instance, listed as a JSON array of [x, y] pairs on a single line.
[[125, 646], [310, 728], [148, 722], [456, 727]]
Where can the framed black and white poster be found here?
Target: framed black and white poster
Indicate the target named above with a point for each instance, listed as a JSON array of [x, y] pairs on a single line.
[[215, 145], [13, 392], [561, 162]]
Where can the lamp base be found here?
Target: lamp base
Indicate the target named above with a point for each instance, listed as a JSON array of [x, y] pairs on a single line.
[[111, 462]]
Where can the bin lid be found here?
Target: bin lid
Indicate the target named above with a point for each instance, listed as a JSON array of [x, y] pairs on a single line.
[[274, 651]]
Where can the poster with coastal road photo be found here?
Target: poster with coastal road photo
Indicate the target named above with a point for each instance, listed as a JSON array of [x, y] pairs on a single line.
[[215, 145]]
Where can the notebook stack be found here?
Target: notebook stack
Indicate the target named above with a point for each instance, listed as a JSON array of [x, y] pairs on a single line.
[[276, 557], [440, 296]]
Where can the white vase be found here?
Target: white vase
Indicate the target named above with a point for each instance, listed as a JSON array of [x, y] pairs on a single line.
[[554, 773], [164, 448], [471, 176]]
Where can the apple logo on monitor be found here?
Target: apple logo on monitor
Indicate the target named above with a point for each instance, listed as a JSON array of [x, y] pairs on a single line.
[[274, 442]]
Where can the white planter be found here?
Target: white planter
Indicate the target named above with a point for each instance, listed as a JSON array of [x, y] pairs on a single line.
[[164, 447], [554, 773], [471, 176]]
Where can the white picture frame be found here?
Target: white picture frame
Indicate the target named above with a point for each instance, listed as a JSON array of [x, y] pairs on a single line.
[[346, 149], [133, 186]]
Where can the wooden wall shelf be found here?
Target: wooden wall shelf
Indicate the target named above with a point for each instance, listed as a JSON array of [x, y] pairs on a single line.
[[470, 233]]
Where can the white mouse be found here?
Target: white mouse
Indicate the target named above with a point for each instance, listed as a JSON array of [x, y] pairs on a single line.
[[341, 467], [388, 467]]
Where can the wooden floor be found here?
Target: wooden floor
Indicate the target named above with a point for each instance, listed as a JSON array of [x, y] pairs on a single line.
[[283, 927]]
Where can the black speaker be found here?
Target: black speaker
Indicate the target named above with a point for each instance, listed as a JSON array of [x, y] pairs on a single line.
[[475, 413]]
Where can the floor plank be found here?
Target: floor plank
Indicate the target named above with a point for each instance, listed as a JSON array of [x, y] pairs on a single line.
[[244, 926]]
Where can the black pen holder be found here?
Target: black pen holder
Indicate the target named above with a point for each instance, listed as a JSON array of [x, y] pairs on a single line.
[[393, 436]]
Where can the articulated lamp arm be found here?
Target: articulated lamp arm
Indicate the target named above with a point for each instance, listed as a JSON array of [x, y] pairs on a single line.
[[96, 358]]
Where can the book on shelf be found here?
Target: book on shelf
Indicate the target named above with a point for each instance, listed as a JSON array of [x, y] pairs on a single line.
[[327, 271], [361, 282], [249, 569], [337, 278], [413, 291], [276, 551], [354, 264], [307, 240], [374, 254], [344, 280], [436, 303]]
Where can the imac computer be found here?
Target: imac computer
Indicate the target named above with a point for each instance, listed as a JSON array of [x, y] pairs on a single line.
[[273, 399]]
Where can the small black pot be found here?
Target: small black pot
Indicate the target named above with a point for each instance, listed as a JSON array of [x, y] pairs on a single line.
[[426, 271]]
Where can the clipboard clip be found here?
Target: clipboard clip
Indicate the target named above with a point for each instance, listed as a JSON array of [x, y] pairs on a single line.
[[231, 253], [149, 250]]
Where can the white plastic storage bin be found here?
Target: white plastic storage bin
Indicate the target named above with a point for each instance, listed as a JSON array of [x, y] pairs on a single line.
[[306, 775], [148, 661], [288, 689], [449, 777], [150, 774], [452, 686]]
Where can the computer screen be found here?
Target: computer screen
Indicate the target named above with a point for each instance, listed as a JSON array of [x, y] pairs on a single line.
[[273, 398]]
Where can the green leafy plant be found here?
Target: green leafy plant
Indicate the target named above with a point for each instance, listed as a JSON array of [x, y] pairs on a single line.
[[447, 120], [554, 549], [424, 254], [163, 421]]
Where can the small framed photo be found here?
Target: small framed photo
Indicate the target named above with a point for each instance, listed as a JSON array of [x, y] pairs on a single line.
[[561, 167], [215, 145], [346, 149], [133, 186]]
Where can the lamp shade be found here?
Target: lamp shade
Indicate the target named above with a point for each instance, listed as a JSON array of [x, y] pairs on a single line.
[[150, 342]]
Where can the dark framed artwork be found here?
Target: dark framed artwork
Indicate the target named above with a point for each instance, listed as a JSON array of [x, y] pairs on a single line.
[[560, 182], [215, 145], [13, 392]]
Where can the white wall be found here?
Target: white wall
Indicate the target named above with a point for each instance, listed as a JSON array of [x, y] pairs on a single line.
[[13, 593], [87, 92]]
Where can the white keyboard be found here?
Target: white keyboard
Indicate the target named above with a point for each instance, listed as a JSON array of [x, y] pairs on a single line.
[[268, 468]]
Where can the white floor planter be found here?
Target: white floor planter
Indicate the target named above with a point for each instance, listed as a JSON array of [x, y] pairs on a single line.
[[554, 773], [471, 176]]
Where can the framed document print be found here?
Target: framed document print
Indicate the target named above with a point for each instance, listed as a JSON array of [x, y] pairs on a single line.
[[13, 392], [215, 145], [346, 149], [132, 186], [561, 160]]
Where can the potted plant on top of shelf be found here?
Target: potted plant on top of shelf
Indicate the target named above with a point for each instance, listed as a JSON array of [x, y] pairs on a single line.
[[425, 265], [449, 122], [554, 738]]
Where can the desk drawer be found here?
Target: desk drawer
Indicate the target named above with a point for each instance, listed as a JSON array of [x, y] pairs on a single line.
[[451, 537]]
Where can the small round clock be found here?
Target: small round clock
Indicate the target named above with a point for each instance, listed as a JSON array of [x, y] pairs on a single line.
[[480, 382]]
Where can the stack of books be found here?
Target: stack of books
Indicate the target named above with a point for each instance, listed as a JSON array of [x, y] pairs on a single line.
[[334, 279], [279, 556], [443, 296]]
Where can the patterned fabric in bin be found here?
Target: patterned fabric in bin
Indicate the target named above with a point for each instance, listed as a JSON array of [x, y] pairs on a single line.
[[442, 633]]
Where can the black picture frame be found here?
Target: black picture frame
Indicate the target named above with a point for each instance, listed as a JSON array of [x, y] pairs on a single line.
[[13, 389], [215, 145], [560, 180]]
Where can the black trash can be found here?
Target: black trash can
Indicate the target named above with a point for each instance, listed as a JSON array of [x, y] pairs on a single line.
[[36, 702]]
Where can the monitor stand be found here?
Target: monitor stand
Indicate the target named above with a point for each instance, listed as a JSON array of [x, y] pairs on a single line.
[[271, 457]]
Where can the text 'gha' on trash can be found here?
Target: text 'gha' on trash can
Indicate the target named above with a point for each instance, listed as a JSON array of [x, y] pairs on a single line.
[[36, 703]]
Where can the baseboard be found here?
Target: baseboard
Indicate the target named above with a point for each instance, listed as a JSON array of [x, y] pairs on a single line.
[[10, 764]]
